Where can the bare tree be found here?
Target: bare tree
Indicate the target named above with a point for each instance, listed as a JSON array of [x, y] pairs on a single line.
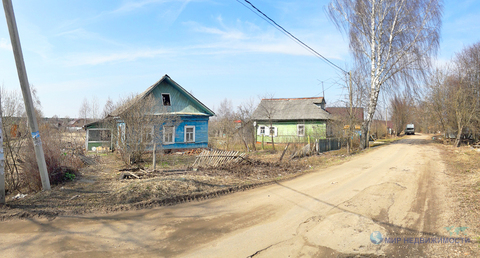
[[401, 108], [247, 130], [14, 133], [21, 167], [144, 124], [223, 126], [467, 63], [94, 108], [12, 103], [437, 96], [350, 114], [390, 39], [454, 94], [108, 108], [84, 110], [268, 110]]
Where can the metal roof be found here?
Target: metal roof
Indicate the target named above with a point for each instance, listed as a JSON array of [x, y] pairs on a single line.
[[291, 109]]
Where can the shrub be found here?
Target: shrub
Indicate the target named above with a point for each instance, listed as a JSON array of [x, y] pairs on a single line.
[[60, 157]]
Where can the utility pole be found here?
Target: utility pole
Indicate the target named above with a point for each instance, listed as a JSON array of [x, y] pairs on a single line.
[[27, 95], [323, 91]]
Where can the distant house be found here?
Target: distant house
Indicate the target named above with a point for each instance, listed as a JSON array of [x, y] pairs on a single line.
[[291, 119], [188, 128], [340, 117], [77, 124], [357, 112], [59, 123]]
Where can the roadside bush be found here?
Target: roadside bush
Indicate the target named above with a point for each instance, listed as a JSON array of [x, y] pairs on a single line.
[[60, 156]]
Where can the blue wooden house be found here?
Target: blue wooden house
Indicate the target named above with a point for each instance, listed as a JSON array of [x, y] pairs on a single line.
[[188, 128]]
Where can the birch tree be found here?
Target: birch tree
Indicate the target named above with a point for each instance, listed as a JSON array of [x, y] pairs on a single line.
[[390, 39]]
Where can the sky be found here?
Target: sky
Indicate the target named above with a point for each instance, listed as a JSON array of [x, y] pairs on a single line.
[[215, 49]]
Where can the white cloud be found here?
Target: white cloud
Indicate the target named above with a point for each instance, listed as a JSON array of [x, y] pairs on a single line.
[[82, 34], [129, 6], [5, 44], [243, 37], [225, 33], [124, 56]]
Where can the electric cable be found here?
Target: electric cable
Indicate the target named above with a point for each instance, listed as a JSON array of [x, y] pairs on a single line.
[[284, 31]]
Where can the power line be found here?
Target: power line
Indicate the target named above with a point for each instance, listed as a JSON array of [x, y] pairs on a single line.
[[284, 31]]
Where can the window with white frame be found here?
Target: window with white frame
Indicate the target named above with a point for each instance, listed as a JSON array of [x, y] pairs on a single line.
[[189, 133], [261, 130], [272, 131], [168, 134], [301, 130]]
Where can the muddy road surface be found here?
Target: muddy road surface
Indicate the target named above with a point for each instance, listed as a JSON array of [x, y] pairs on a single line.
[[398, 190]]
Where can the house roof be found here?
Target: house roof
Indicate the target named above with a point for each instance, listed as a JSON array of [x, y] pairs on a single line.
[[143, 95], [343, 112], [291, 109]]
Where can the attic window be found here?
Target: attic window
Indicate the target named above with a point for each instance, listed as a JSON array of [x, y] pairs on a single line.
[[166, 99]]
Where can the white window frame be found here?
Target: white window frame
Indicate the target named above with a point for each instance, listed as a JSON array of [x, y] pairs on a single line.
[[185, 133], [169, 97], [274, 131], [173, 135], [298, 130], [259, 132]]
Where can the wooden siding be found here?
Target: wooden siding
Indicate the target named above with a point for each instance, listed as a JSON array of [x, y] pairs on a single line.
[[201, 134], [179, 101], [287, 131]]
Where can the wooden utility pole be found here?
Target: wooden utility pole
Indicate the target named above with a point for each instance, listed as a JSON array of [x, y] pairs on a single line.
[[27, 95]]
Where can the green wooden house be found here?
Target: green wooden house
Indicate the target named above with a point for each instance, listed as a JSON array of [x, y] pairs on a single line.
[[291, 120]]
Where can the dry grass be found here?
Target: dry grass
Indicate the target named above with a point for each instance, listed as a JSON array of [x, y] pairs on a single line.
[[98, 188], [463, 169]]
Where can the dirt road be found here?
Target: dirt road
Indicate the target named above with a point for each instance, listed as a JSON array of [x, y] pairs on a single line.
[[397, 190]]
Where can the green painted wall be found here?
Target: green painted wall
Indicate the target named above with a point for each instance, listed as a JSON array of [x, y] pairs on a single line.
[[287, 131], [179, 102]]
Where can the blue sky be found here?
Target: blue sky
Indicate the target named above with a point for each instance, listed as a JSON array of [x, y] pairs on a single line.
[[215, 49]]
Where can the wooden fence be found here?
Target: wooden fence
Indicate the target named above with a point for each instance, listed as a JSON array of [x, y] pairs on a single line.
[[329, 144], [217, 157]]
